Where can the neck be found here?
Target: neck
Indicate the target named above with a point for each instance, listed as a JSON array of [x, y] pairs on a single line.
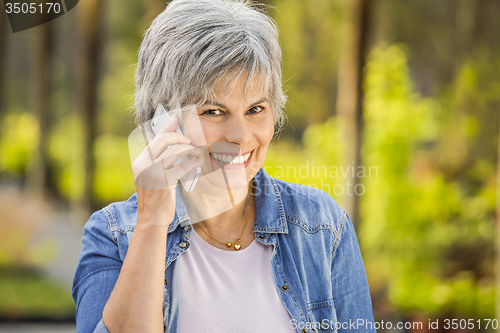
[[222, 213]]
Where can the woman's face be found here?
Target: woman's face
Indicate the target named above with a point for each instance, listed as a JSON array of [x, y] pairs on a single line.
[[234, 134]]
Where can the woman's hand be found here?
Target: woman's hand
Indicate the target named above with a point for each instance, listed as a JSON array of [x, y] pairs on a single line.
[[135, 304], [155, 177]]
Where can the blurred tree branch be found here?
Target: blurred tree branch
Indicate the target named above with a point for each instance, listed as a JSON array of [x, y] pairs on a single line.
[[37, 178], [465, 18], [89, 25], [3, 47], [349, 94]]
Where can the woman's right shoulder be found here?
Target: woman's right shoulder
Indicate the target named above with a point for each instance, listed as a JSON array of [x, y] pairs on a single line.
[[114, 219]]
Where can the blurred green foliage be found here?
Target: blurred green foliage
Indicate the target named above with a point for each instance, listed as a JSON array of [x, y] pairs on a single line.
[[65, 149], [310, 38], [26, 295], [427, 236], [313, 163], [114, 179], [17, 142]]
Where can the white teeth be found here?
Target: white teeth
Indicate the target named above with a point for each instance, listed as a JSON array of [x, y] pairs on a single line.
[[230, 159]]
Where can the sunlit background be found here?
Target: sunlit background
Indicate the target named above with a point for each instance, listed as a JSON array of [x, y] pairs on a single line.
[[393, 110]]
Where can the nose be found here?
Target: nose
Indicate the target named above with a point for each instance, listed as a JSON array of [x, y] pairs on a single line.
[[238, 131]]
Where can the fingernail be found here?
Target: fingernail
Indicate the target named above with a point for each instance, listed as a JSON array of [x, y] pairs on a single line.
[[172, 118]]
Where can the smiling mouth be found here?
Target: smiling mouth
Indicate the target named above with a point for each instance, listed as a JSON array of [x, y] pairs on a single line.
[[229, 159]]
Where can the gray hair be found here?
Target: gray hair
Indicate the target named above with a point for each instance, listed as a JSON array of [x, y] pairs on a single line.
[[194, 45]]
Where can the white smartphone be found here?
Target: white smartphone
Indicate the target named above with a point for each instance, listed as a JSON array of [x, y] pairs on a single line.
[[160, 118]]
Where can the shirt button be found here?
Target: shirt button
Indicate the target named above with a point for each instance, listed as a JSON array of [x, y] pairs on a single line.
[[324, 325], [183, 244], [186, 228], [304, 330], [164, 328], [165, 281], [262, 237], [284, 287]]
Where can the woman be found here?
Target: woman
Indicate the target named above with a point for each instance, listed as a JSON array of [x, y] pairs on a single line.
[[242, 251]]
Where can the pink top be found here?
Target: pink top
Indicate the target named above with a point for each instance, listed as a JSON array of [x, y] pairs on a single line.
[[229, 291]]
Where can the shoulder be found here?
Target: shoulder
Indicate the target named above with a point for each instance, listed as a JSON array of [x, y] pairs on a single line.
[[309, 207], [116, 218], [123, 214]]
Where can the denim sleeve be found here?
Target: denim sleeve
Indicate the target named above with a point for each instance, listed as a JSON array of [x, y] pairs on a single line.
[[97, 271], [351, 293]]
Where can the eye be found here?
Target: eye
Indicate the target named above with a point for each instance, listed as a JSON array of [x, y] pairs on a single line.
[[213, 112], [256, 109]]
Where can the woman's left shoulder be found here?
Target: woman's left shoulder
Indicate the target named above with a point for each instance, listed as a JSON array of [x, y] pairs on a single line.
[[309, 207]]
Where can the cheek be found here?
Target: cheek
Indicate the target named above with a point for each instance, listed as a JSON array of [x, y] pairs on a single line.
[[265, 132], [211, 131], [195, 131]]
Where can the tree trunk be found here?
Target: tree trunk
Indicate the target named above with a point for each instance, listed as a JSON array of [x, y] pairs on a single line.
[[3, 48], [465, 18], [89, 14], [37, 173], [349, 98]]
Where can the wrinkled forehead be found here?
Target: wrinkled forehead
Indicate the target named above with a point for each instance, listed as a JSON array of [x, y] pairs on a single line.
[[249, 86], [220, 88]]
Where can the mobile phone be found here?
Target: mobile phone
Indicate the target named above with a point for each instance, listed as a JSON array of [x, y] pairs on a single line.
[[160, 118]]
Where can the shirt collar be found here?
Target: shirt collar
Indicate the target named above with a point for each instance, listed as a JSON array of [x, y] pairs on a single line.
[[269, 210]]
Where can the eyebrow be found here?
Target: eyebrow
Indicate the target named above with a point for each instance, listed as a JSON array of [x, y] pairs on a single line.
[[225, 107]]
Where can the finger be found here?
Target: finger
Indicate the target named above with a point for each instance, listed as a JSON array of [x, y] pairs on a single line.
[[170, 126], [170, 156], [179, 148], [180, 170], [151, 177], [163, 140]]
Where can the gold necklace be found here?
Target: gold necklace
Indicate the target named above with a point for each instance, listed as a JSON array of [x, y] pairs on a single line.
[[237, 245]]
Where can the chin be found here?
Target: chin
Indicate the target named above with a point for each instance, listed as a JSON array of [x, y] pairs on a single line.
[[236, 179]]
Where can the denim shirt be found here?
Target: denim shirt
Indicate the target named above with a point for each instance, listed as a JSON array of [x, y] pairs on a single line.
[[316, 262]]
